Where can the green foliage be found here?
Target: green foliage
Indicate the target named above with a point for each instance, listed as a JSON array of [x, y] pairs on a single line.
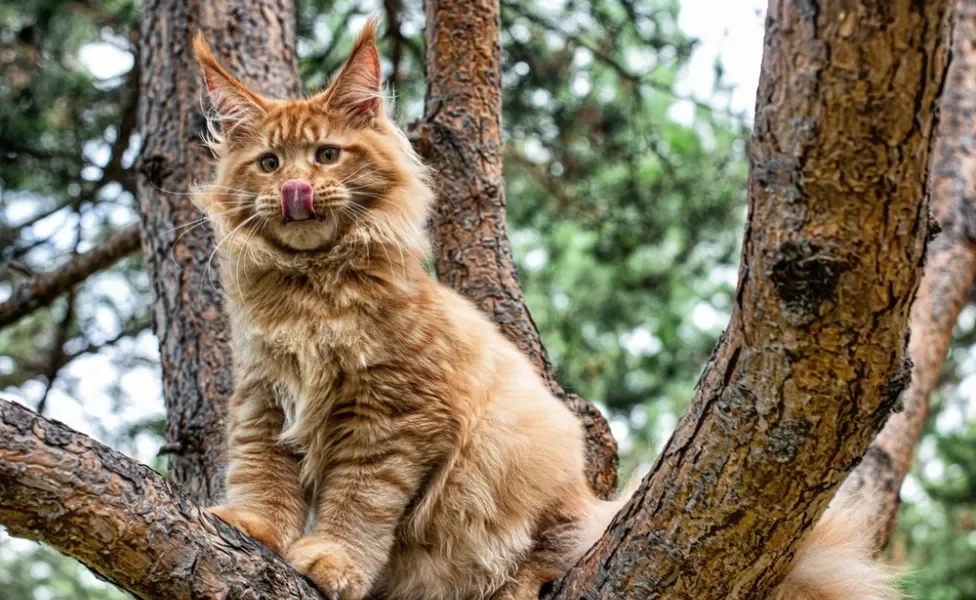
[[66, 144], [29, 572], [625, 222], [938, 530]]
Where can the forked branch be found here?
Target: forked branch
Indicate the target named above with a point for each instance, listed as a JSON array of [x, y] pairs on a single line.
[[460, 137]]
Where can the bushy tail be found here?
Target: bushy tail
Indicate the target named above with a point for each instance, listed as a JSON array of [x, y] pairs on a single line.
[[834, 562]]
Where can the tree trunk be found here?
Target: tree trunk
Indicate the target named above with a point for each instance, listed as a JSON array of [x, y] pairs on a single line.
[[124, 521], [460, 137], [814, 358], [948, 278], [255, 39]]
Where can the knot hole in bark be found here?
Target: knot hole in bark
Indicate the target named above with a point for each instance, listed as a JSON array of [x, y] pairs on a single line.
[[155, 170], [786, 440], [804, 276]]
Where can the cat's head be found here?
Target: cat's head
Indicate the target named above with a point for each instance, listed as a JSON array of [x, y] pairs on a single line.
[[300, 177]]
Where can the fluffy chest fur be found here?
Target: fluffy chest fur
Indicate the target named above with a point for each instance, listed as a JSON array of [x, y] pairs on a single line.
[[305, 329], [310, 367], [350, 369], [315, 366]]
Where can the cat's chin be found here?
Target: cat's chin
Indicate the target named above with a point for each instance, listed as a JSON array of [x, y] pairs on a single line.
[[307, 235]]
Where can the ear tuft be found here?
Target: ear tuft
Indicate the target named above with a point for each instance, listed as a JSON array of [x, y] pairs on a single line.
[[235, 105], [357, 90]]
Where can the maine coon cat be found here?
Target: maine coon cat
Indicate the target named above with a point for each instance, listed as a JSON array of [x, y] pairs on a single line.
[[434, 461]]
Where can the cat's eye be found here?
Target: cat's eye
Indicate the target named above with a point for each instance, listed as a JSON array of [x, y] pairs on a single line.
[[327, 155], [268, 163]]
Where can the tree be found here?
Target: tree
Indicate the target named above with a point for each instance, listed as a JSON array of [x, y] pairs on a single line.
[[944, 290], [780, 277], [187, 315]]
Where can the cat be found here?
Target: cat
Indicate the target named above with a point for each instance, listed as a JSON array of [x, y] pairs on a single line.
[[434, 462]]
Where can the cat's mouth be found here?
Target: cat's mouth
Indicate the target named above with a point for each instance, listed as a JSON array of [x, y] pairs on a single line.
[[307, 215], [299, 214], [301, 204]]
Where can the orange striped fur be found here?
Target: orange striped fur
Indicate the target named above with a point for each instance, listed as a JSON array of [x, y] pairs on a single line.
[[384, 436]]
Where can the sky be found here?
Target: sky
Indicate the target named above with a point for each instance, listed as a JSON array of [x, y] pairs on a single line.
[[728, 31], [731, 31]]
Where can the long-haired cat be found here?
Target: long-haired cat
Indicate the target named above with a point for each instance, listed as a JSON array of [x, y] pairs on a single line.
[[435, 463]]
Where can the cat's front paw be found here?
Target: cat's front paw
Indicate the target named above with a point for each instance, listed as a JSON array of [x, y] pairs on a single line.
[[250, 523], [328, 565]]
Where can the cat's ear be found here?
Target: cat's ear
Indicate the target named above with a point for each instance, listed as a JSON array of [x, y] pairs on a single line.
[[357, 91], [236, 106]]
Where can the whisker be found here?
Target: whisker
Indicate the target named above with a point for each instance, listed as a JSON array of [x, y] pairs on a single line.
[[365, 166], [352, 213], [191, 226], [201, 188], [227, 238], [237, 282], [384, 232], [222, 190], [222, 242], [368, 194], [206, 217], [350, 179]]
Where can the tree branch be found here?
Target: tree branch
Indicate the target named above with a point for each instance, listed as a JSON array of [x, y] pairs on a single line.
[[56, 356], [950, 270], [814, 357], [27, 368], [460, 137], [124, 521], [44, 289], [394, 11]]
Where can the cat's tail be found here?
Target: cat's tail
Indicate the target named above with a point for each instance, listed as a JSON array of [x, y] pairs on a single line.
[[834, 562]]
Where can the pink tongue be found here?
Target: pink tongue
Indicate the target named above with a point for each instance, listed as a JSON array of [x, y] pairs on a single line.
[[296, 200]]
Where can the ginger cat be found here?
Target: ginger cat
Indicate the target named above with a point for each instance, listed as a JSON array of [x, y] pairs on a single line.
[[435, 462]]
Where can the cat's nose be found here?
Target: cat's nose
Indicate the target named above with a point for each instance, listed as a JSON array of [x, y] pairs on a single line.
[[296, 200]]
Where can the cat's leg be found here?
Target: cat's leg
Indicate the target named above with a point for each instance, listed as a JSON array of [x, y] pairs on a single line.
[[264, 498], [540, 568], [549, 560], [357, 512]]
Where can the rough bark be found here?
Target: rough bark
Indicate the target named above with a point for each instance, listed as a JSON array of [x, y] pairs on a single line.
[[460, 136], [255, 39], [124, 521], [947, 280], [42, 290], [814, 358]]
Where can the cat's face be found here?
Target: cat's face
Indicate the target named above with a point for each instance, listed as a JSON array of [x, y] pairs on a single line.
[[297, 176]]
